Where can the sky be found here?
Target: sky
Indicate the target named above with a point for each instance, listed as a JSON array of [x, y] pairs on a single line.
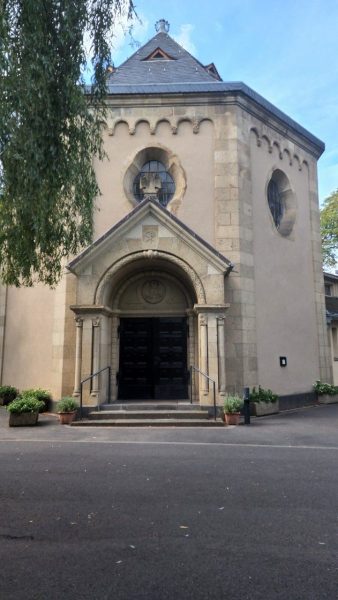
[[285, 50]]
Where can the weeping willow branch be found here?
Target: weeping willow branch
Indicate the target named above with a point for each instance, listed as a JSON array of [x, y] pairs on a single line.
[[49, 133]]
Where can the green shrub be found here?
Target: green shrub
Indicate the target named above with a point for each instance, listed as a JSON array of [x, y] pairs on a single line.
[[233, 404], [7, 394], [325, 388], [66, 404], [24, 404], [39, 394], [262, 395]]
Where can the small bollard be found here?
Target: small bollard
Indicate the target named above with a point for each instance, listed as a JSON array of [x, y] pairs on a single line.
[[246, 409]]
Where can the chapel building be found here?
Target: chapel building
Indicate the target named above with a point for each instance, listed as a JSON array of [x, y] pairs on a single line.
[[206, 250]]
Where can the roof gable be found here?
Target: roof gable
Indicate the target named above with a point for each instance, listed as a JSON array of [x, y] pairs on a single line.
[[158, 54], [149, 212]]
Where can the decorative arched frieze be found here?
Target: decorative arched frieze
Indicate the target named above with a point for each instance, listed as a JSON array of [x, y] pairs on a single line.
[[141, 121], [298, 161], [161, 122], [267, 142], [264, 140], [111, 129], [153, 124], [276, 145], [288, 156], [104, 285], [256, 135]]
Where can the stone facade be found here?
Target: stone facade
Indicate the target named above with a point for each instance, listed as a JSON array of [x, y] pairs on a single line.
[[250, 293]]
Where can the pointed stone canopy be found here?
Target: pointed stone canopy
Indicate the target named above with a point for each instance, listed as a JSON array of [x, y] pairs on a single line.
[[129, 229], [176, 66]]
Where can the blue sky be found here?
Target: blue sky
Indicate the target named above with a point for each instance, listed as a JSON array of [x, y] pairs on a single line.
[[287, 51]]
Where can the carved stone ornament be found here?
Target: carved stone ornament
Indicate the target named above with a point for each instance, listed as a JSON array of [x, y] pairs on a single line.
[[153, 291], [150, 234]]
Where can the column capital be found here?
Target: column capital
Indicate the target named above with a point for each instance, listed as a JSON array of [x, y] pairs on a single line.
[[211, 308], [91, 310]]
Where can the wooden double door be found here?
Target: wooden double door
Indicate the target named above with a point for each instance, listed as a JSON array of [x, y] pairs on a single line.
[[153, 358]]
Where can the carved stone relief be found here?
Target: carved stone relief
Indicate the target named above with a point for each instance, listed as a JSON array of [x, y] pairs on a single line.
[[153, 291]]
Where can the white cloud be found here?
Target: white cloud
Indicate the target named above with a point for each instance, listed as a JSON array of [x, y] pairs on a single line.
[[184, 38], [122, 30], [124, 33]]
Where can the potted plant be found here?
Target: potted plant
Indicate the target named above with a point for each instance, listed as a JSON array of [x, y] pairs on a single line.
[[326, 393], [42, 395], [232, 407], [24, 411], [67, 408], [7, 394], [263, 402]]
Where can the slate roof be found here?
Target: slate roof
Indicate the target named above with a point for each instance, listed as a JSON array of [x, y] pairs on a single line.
[[182, 68], [185, 75]]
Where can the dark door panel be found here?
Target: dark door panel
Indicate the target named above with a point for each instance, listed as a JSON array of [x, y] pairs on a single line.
[[153, 358]]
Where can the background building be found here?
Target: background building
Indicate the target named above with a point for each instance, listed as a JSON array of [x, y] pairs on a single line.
[[331, 302]]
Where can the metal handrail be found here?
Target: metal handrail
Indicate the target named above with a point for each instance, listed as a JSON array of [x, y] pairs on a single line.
[[192, 367], [89, 378]]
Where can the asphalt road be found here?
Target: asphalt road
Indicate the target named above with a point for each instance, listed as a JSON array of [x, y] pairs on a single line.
[[234, 513]]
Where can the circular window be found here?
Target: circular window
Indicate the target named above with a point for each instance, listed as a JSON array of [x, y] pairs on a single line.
[[155, 172], [154, 181], [282, 203]]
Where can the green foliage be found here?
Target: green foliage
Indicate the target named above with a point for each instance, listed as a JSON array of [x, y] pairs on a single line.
[[262, 395], [25, 404], [233, 404], [49, 130], [7, 394], [66, 404], [325, 388], [39, 394], [329, 229]]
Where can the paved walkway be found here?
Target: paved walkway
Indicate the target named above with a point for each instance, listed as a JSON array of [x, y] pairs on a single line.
[[242, 513], [306, 427]]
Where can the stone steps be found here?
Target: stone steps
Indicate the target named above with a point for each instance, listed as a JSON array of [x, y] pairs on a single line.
[[150, 414], [148, 423]]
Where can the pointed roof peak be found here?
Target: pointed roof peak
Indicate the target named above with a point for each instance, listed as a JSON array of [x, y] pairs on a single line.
[[162, 60], [162, 26]]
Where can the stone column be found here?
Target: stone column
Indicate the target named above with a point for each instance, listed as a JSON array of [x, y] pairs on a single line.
[[96, 355], [114, 355], [203, 327], [78, 355], [221, 354]]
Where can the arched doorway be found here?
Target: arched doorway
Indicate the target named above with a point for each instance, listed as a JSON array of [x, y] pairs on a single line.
[[154, 344]]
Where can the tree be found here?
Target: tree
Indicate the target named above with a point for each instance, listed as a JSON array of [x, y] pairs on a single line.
[[49, 131], [329, 229]]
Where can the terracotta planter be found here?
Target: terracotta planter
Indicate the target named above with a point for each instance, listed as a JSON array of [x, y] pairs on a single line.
[[232, 418], [328, 399], [66, 418], [25, 419]]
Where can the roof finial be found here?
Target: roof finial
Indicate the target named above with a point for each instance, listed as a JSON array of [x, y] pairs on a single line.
[[162, 26]]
